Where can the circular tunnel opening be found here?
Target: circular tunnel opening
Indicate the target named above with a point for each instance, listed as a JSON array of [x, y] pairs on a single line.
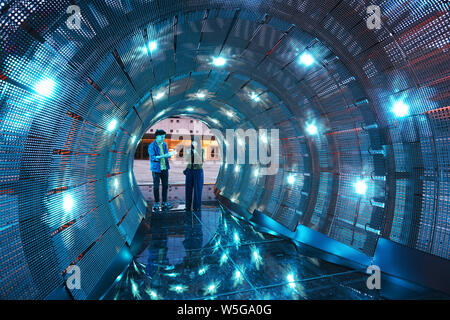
[[180, 130]]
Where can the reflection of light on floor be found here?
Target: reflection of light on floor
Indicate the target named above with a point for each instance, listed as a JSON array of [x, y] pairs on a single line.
[[203, 270], [255, 256], [178, 288], [211, 288], [238, 278], [237, 240], [217, 245], [224, 258], [172, 275], [135, 289], [152, 294]]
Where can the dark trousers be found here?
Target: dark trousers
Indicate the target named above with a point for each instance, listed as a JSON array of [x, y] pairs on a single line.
[[164, 177], [194, 183]]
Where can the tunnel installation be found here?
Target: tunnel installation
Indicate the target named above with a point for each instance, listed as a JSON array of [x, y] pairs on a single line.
[[362, 113]]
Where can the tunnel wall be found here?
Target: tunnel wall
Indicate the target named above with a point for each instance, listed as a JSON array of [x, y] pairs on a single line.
[[68, 195]]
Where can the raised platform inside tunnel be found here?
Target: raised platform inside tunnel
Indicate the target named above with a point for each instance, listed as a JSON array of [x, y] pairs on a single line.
[[214, 255]]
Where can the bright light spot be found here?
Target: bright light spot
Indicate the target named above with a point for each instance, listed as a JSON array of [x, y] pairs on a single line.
[[236, 169], [203, 270], [215, 121], [68, 203], [153, 295], [291, 280], [152, 45], [240, 142], [361, 187], [311, 129], [236, 238], [219, 61], [178, 288], [255, 97], [133, 139], [256, 172], [201, 95], [400, 109], [223, 259], [116, 183], [172, 275], [211, 289], [306, 59], [291, 179], [159, 95], [190, 109], [112, 125], [45, 87], [230, 114], [134, 288]]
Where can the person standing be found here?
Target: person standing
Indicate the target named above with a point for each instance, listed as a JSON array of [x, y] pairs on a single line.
[[194, 176], [159, 165]]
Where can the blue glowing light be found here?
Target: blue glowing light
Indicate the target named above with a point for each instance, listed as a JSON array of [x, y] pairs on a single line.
[[211, 288], [68, 203], [178, 288], [223, 258], [306, 59], [133, 139], [112, 125], [237, 240], [291, 280], [219, 61], [400, 109], [152, 45], [255, 97], [203, 270], [311, 129], [152, 293], [291, 179], [201, 95], [360, 187], [45, 87]]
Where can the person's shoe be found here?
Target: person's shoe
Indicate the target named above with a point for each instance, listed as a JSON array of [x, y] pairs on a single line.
[[166, 205], [156, 206]]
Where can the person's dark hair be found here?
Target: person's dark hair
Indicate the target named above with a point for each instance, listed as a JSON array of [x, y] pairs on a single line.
[[159, 132]]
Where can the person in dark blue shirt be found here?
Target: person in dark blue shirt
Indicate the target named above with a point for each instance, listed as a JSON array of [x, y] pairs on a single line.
[[194, 176]]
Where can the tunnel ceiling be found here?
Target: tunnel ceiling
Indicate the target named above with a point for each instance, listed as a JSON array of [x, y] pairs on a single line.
[[74, 103]]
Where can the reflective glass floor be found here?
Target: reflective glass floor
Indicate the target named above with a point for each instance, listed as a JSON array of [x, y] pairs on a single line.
[[214, 255]]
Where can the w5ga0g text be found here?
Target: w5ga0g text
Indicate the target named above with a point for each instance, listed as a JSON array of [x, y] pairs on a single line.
[[246, 309]]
